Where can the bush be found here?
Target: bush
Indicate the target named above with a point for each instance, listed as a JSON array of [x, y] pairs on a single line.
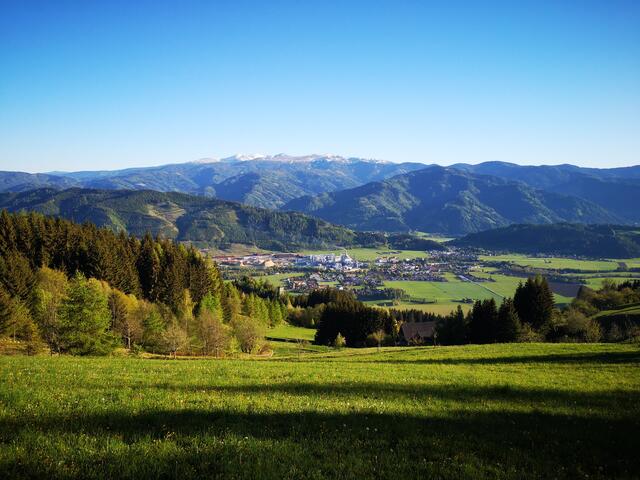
[[249, 333], [339, 342], [527, 334]]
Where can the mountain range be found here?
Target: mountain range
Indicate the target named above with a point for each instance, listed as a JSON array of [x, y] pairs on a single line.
[[447, 200], [367, 194], [258, 180]]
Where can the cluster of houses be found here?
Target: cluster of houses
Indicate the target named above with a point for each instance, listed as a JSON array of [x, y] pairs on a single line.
[[330, 261]]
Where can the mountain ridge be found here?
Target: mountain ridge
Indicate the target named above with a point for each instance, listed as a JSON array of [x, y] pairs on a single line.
[[446, 200]]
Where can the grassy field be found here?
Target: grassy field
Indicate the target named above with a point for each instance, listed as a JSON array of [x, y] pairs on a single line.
[[277, 278], [290, 332], [501, 411], [446, 293], [554, 263]]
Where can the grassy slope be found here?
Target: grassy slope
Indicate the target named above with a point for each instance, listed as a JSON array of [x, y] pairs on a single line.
[[500, 411], [555, 263]]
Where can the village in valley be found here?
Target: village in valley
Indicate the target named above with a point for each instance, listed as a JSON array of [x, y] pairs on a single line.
[[436, 281], [369, 278]]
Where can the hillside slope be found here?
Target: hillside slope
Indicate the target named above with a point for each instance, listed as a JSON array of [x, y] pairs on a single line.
[[438, 199], [184, 217], [609, 241], [615, 189]]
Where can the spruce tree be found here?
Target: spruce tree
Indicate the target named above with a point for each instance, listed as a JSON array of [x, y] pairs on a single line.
[[85, 320], [508, 322]]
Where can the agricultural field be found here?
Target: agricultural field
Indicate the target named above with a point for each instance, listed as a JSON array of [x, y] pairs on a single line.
[[554, 263], [497, 411], [445, 294], [434, 237]]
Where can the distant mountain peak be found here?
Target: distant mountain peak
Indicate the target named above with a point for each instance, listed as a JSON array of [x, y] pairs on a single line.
[[286, 158]]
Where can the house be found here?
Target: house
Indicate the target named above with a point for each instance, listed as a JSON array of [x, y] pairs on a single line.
[[266, 264], [417, 333]]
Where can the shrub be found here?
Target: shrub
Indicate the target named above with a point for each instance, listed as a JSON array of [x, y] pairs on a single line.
[[339, 342], [249, 333]]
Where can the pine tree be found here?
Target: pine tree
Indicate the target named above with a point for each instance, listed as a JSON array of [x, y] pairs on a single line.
[[508, 322], [534, 302], [148, 265], [483, 321], [85, 320]]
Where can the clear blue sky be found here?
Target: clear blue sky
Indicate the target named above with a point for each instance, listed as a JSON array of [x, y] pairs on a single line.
[[89, 84]]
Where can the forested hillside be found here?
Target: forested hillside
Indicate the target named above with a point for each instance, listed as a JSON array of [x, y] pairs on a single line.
[[186, 218], [445, 200], [80, 289], [600, 241], [615, 189]]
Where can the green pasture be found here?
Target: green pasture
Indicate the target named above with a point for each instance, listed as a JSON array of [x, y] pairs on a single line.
[[291, 332], [517, 411], [553, 263], [434, 237]]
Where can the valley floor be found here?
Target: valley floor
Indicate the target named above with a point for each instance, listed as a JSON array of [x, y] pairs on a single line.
[[497, 411]]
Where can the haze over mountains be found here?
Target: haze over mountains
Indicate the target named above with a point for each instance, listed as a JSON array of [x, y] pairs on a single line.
[[368, 194]]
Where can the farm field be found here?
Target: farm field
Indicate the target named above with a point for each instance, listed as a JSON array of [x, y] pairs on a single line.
[[446, 293], [437, 308], [554, 263], [497, 411]]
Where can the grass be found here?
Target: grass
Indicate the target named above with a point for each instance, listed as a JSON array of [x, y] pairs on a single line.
[[445, 294], [290, 332], [500, 411], [276, 279], [438, 308], [554, 263]]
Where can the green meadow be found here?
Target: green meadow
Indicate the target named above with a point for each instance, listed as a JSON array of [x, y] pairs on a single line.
[[554, 263], [497, 411], [447, 294]]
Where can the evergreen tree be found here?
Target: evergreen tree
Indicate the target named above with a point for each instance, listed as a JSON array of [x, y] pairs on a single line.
[[453, 329], [534, 302], [148, 265], [508, 322], [85, 320], [483, 322]]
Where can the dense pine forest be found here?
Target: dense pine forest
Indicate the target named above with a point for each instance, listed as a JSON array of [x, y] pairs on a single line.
[[85, 290]]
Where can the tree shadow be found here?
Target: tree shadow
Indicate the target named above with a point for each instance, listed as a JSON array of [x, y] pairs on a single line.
[[535, 433], [567, 358], [596, 402]]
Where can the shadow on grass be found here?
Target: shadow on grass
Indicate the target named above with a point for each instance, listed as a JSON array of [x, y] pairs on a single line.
[[632, 357], [519, 444]]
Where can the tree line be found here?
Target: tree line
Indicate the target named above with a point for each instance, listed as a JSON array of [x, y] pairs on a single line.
[[80, 289], [531, 315]]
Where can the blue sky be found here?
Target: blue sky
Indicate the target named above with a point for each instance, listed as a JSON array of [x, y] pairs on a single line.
[[92, 85]]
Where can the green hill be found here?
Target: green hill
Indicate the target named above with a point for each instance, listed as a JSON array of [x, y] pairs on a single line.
[[445, 200], [206, 221], [604, 241]]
